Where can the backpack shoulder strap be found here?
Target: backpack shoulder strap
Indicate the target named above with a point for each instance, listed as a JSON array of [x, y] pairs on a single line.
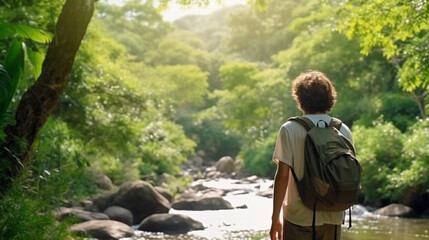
[[335, 122], [307, 123]]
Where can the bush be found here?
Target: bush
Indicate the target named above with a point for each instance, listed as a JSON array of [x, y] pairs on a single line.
[[412, 173], [165, 148], [258, 158], [60, 153], [27, 214], [379, 150], [399, 109], [208, 130]]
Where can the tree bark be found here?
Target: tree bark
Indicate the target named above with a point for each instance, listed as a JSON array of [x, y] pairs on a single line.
[[420, 100], [41, 98]]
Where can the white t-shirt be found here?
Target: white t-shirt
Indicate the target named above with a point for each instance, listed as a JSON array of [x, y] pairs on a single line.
[[290, 150]]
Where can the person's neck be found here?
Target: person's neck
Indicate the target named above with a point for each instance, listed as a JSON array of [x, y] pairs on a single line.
[[321, 113]]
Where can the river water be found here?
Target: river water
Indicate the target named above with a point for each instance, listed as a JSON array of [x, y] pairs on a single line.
[[254, 221]]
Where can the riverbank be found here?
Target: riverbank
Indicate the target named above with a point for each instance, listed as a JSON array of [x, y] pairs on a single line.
[[253, 222], [221, 203]]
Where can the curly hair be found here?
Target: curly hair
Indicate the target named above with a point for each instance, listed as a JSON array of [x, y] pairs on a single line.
[[314, 92]]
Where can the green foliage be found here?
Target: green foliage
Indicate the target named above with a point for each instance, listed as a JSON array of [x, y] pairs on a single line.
[[164, 148], [412, 173], [208, 131], [39, 14], [237, 74], [258, 158], [175, 184], [174, 52], [396, 108], [255, 103], [24, 32], [413, 74], [399, 109], [397, 27], [5, 92], [210, 29], [137, 25], [122, 110], [392, 22], [23, 213], [57, 171], [14, 62], [60, 154], [257, 35], [318, 45], [394, 164], [184, 86], [379, 150], [137, 103]]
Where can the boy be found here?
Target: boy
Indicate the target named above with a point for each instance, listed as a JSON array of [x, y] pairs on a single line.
[[315, 96]]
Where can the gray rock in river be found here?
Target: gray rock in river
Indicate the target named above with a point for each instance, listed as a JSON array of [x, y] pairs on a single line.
[[170, 223], [120, 214], [396, 210], [103, 229], [211, 203], [225, 165], [141, 199], [80, 214]]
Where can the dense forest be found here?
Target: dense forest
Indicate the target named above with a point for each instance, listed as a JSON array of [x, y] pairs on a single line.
[[136, 97]]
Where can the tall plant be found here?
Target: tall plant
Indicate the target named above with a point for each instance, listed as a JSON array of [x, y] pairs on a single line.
[[15, 58]]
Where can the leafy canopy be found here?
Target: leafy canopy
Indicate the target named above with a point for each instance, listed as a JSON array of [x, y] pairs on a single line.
[[400, 28]]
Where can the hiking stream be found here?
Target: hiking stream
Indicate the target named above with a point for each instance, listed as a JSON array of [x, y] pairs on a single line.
[[251, 218]]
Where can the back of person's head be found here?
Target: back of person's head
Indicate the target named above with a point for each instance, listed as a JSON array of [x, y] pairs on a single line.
[[314, 92]]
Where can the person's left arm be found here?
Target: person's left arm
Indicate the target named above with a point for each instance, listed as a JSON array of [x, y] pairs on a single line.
[[280, 186]]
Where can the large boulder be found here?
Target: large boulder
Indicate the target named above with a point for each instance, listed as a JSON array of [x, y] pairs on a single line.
[[103, 182], [396, 210], [120, 214], [141, 199], [170, 223], [200, 204], [225, 165], [102, 202], [80, 214], [103, 229], [415, 197]]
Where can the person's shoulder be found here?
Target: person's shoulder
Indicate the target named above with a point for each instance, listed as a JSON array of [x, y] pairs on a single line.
[[345, 131], [290, 123], [291, 126], [346, 128]]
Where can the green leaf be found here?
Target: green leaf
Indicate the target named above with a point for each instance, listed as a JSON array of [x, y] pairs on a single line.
[[5, 86], [14, 62], [2, 135], [24, 31], [9, 76], [36, 58]]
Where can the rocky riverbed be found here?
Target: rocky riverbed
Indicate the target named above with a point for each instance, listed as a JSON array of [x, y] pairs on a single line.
[[222, 203]]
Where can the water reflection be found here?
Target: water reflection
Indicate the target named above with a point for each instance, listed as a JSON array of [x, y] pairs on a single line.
[[377, 228]]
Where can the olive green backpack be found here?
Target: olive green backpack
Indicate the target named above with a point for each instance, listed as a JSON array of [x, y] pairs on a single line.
[[332, 173]]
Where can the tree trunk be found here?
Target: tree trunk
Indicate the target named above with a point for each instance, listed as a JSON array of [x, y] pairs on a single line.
[[420, 100], [41, 98]]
